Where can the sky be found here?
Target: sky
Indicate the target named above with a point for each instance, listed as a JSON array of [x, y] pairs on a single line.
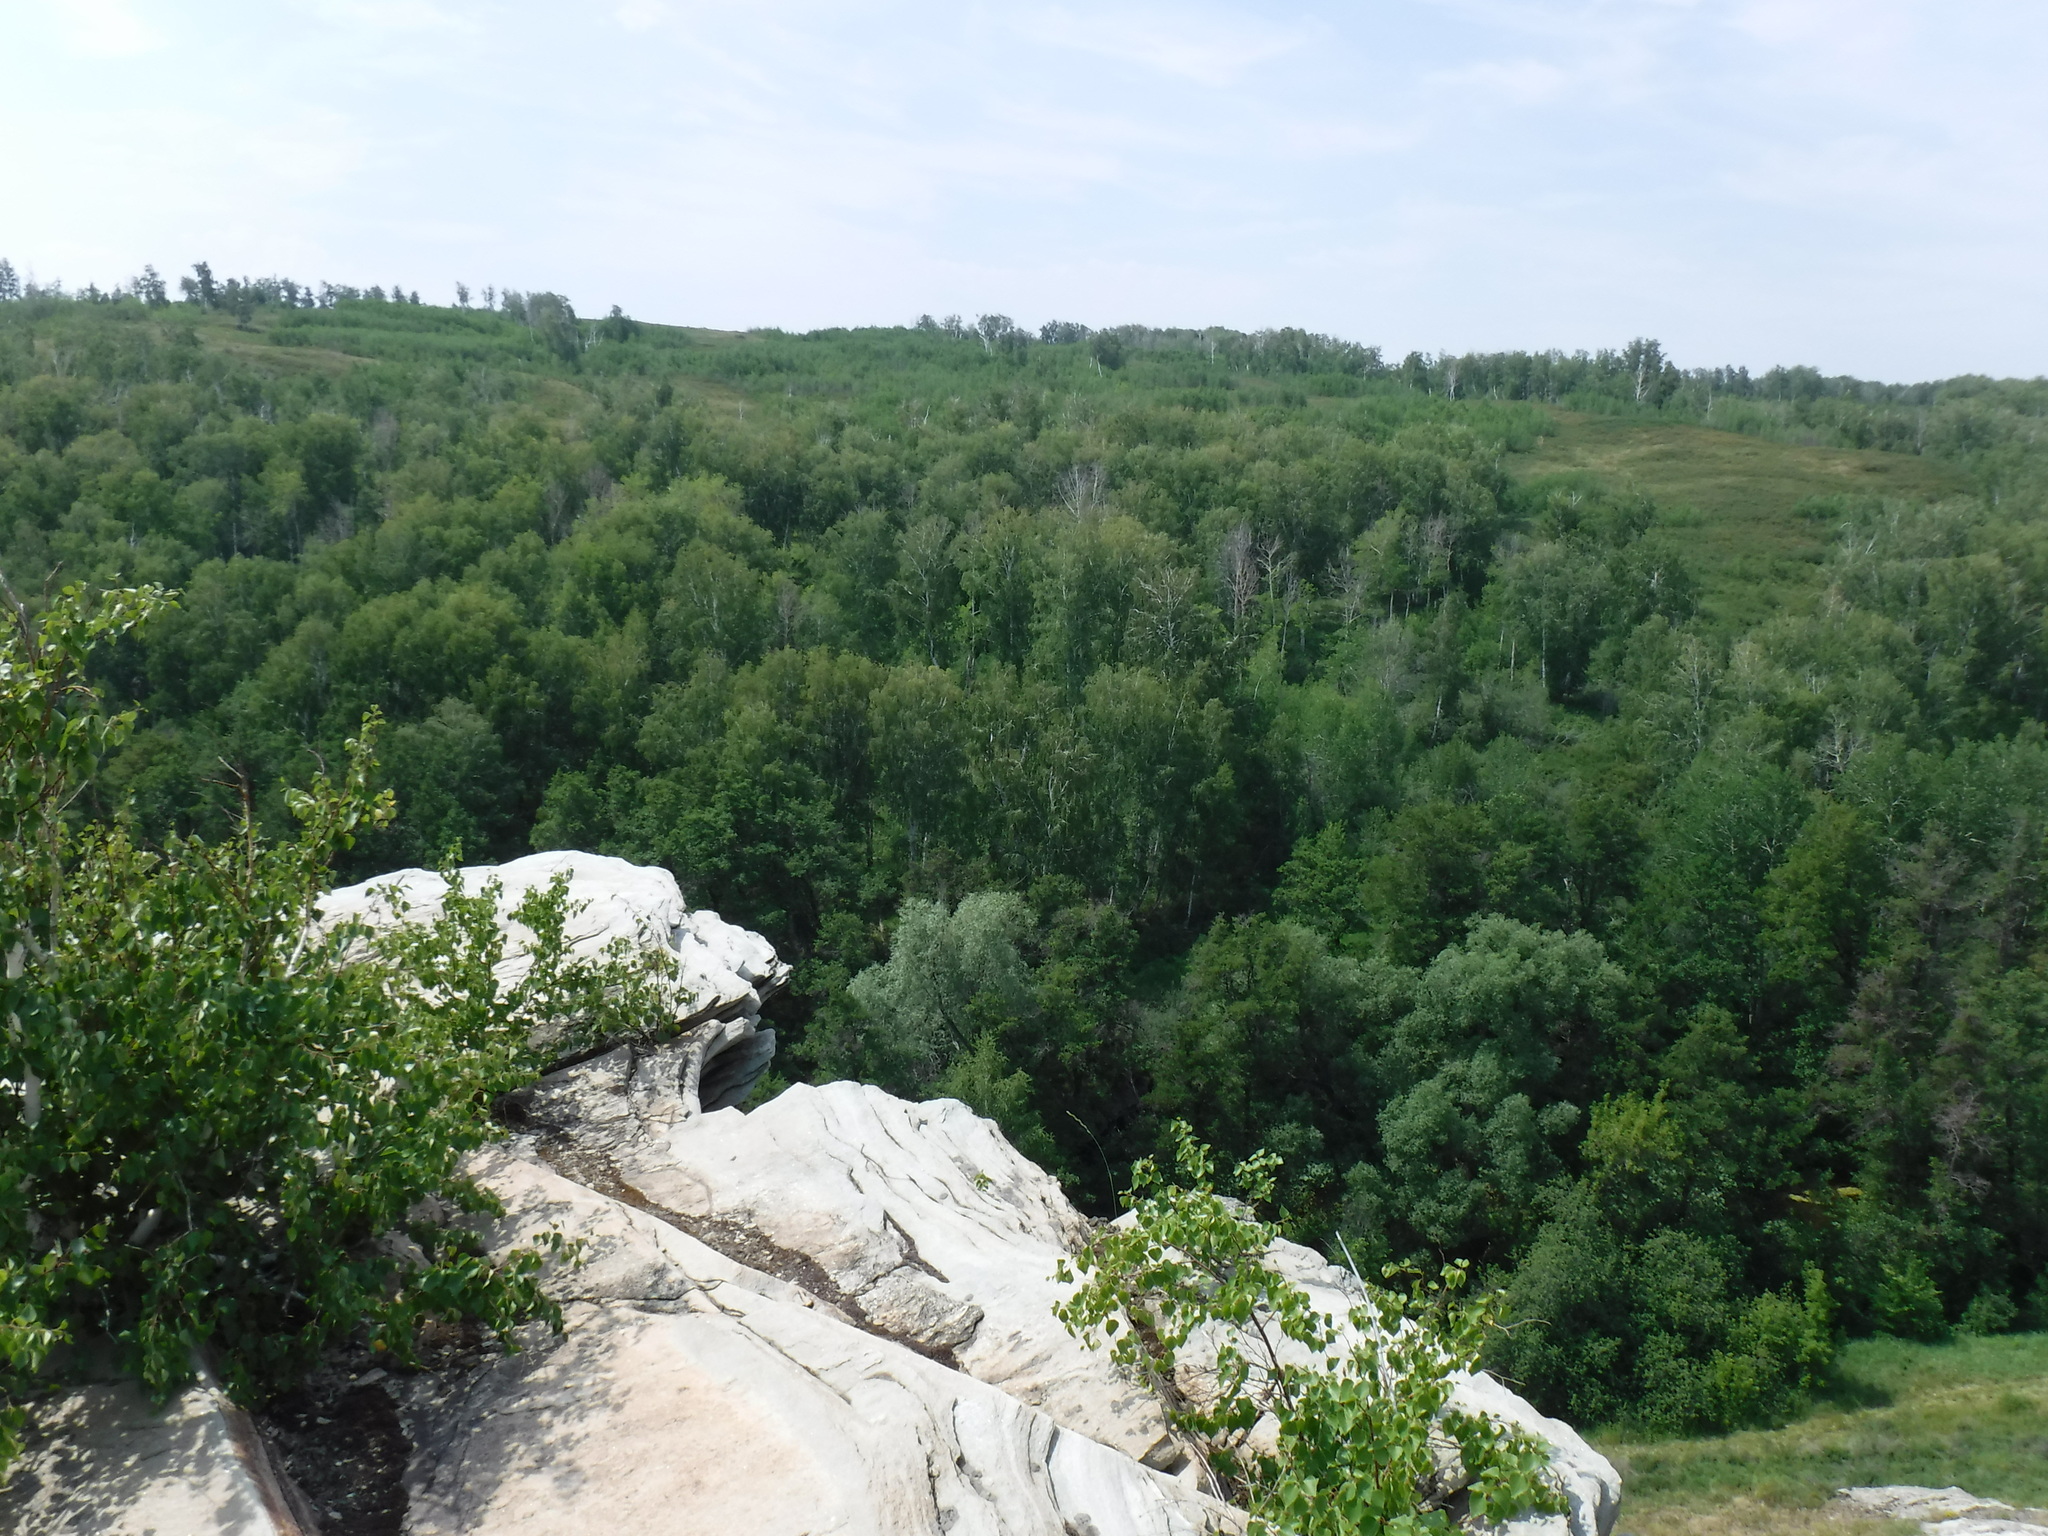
[[1861, 185]]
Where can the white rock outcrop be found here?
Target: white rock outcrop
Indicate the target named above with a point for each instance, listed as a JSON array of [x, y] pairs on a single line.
[[1945, 1511], [103, 1458], [833, 1313], [921, 1221], [713, 975], [926, 1219], [692, 1392]]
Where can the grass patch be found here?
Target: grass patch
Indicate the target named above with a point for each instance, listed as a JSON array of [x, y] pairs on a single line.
[[1972, 1413], [1727, 499]]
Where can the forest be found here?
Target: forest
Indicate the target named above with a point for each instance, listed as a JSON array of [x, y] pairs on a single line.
[[1125, 726]]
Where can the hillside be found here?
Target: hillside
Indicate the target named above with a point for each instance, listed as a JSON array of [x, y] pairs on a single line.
[[1740, 505], [1578, 838]]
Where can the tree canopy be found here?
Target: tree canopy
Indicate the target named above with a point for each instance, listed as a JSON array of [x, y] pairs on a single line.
[[1121, 726]]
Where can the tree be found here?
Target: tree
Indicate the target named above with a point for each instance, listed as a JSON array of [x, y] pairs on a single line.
[[916, 720], [1427, 876], [994, 330], [1730, 819], [551, 318], [200, 288], [1489, 1072], [10, 284], [926, 581], [998, 559], [949, 979], [1818, 905], [1644, 363], [1262, 1043]]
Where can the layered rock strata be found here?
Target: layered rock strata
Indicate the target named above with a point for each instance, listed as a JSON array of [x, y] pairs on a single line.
[[694, 1392], [920, 1223]]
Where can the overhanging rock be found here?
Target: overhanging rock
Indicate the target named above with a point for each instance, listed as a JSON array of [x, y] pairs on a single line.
[[713, 975]]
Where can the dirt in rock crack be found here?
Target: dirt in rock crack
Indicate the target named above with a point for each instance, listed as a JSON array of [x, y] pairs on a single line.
[[739, 1242], [342, 1444]]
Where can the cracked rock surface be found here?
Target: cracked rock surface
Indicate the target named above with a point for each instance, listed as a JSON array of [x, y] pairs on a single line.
[[691, 1391], [915, 1211], [920, 1224]]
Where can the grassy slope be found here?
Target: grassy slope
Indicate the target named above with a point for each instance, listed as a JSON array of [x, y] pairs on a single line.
[[1728, 499], [1973, 1413]]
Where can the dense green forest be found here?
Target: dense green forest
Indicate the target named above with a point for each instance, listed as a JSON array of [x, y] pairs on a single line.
[[1124, 725]]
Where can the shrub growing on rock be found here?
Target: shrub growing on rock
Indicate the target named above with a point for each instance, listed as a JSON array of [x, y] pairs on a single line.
[[215, 1117], [1319, 1425]]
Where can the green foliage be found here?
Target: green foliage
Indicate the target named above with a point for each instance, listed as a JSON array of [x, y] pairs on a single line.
[[1318, 1424], [946, 971], [1562, 880], [1773, 1352], [1266, 1020], [1989, 1312], [1907, 1304], [1632, 1301], [216, 1111]]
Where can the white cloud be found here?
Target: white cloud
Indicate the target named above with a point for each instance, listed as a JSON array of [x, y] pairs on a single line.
[[1341, 138], [403, 16], [1860, 172], [1522, 82], [106, 29], [1180, 42]]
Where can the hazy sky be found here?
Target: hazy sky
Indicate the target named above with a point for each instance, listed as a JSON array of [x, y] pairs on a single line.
[[1859, 184]]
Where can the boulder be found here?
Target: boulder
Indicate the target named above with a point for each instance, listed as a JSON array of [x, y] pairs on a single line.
[[1945, 1511], [713, 975]]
